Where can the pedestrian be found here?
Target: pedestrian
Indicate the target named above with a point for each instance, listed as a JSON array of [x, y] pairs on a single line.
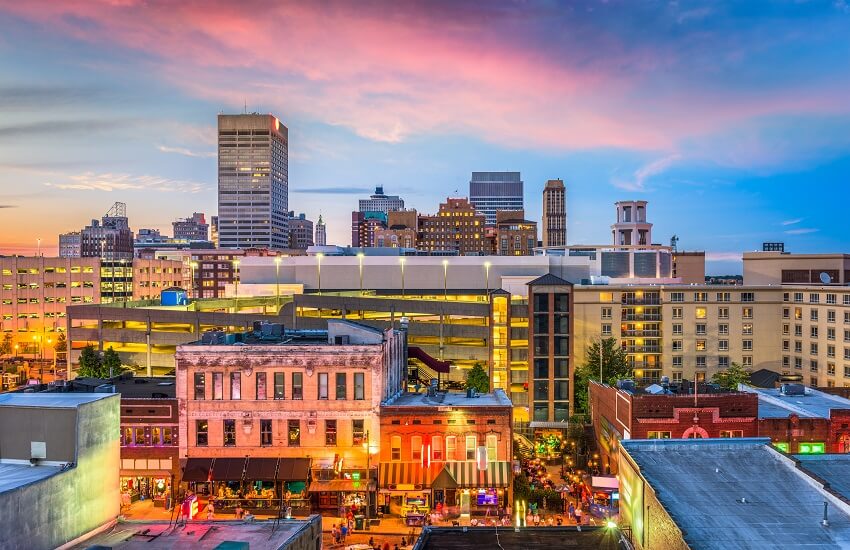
[[528, 519], [371, 542], [571, 511], [386, 546], [550, 521], [211, 509], [403, 541], [536, 519], [335, 534], [578, 516], [240, 513], [343, 532]]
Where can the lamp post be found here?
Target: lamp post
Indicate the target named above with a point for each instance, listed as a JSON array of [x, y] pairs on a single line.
[[236, 286], [367, 446], [445, 279], [192, 267], [487, 277], [124, 284], [360, 265], [319, 257], [277, 261], [401, 261]]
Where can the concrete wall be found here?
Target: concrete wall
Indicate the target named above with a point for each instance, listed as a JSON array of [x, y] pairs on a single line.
[[61, 508], [55, 427], [308, 538]]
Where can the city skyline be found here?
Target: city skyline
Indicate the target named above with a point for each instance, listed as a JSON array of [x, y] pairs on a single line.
[[723, 117]]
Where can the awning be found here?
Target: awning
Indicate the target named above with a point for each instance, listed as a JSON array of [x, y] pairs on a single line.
[[197, 469], [228, 469], [407, 475], [293, 469], [467, 474], [340, 486], [261, 469]]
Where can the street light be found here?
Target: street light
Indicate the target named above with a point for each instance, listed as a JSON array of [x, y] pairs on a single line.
[[401, 261], [193, 266], [360, 263], [367, 447], [487, 276], [277, 261], [445, 279], [124, 285], [236, 286], [319, 257]]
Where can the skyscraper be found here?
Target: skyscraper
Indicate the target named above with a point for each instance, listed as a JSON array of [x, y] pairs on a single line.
[[253, 181], [493, 191], [554, 214], [321, 233], [110, 238]]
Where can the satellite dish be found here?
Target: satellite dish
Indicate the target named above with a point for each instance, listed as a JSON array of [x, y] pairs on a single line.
[[825, 278]]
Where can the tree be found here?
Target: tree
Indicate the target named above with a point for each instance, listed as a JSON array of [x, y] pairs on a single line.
[[61, 344], [730, 378], [111, 363], [91, 365], [6, 345], [522, 488], [477, 379], [614, 367]]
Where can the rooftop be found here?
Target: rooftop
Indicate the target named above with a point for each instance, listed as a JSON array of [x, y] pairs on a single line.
[[13, 476], [454, 538], [834, 469], [451, 399], [340, 332], [198, 535], [49, 400], [813, 404], [125, 384], [701, 484]]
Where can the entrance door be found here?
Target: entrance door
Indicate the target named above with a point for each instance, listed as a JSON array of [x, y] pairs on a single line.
[[464, 502]]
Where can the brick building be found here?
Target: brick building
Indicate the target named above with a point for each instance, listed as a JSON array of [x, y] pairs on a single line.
[[515, 236], [618, 414], [281, 397], [455, 227], [446, 449]]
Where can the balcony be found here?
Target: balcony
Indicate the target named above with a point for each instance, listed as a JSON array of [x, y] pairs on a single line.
[[643, 365], [650, 300], [642, 349], [642, 333], [641, 316]]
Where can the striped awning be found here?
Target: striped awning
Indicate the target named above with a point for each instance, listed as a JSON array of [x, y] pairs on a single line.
[[404, 475], [467, 474]]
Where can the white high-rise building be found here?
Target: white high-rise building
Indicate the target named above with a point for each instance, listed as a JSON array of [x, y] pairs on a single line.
[[379, 202], [321, 233]]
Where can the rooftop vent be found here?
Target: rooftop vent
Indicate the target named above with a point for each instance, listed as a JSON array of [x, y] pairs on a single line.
[[792, 389]]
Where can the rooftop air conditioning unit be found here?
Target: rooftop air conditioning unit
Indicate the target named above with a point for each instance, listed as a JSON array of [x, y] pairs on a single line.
[[792, 389]]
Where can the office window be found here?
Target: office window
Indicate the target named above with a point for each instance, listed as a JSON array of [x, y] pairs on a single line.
[[280, 385], [200, 385], [236, 385], [218, 385], [265, 433], [746, 312], [700, 345], [813, 348], [813, 365], [723, 345], [700, 329], [677, 296], [723, 296], [814, 298], [471, 443], [677, 313], [699, 312], [747, 345], [437, 448], [359, 386], [700, 296], [201, 433], [813, 315], [492, 443], [747, 328], [701, 361], [341, 385], [748, 297], [657, 435], [330, 432], [293, 436], [677, 345], [677, 361], [723, 313], [606, 312], [722, 329], [813, 331], [229, 433], [323, 385], [358, 432], [677, 329], [261, 386], [830, 316], [395, 448], [723, 361], [451, 447], [297, 385], [606, 329]]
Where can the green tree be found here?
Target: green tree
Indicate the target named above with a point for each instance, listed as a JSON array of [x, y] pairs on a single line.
[[91, 365], [61, 344], [522, 488], [477, 379], [614, 367], [111, 363], [6, 345], [730, 378]]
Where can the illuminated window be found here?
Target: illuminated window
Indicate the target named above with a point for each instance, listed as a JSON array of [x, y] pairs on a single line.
[[437, 447], [700, 313], [658, 435], [492, 447], [451, 447], [471, 444], [731, 433]]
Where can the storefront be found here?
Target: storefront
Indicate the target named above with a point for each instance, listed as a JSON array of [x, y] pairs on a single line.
[[471, 490], [155, 487], [405, 490], [348, 490], [604, 496]]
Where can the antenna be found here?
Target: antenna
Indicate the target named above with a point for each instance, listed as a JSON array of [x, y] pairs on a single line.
[[246, 106], [825, 278]]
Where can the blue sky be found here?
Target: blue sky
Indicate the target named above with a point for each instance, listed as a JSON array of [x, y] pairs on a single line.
[[731, 119]]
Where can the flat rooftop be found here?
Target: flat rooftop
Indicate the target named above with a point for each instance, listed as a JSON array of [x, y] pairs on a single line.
[[198, 535], [50, 400], [13, 476], [451, 399], [834, 469], [814, 404], [700, 482], [542, 538]]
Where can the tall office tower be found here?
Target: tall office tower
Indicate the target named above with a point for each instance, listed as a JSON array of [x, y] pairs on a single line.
[[321, 233], [214, 230], [490, 192], [554, 214], [253, 182], [379, 202], [110, 238], [194, 228], [69, 245], [300, 231], [631, 228]]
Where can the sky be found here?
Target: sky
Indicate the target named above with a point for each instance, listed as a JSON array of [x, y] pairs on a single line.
[[731, 118]]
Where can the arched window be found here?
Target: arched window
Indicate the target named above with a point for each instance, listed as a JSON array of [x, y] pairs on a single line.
[[437, 448], [416, 448]]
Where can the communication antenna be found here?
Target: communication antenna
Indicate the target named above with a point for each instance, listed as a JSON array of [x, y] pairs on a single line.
[[825, 278], [674, 241]]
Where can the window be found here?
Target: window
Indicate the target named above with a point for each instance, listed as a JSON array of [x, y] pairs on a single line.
[[700, 345], [261, 386], [786, 345], [677, 313], [395, 448], [747, 345], [330, 433], [416, 448], [658, 435], [700, 296], [357, 432], [798, 347], [341, 385], [813, 365], [798, 330], [471, 443], [723, 296], [814, 298], [722, 361], [699, 312], [229, 433], [731, 433], [280, 385], [606, 312], [748, 297], [786, 328], [323, 385], [701, 361], [265, 433], [813, 315], [723, 345], [677, 361], [677, 329], [236, 385], [200, 385], [747, 360], [723, 329], [297, 385], [677, 376], [747, 328], [798, 296], [723, 313], [677, 345], [218, 385], [700, 329], [677, 296], [201, 433], [606, 329], [786, 361], [293, 436], [798, 313], [786, 313], [746, 312], [846, 371], [798, 363], [830, 316], [437, 448], [359, 386], [830, 369], [813, 331], [451, 447], [813, 348], [492, 442], [830, 299]]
